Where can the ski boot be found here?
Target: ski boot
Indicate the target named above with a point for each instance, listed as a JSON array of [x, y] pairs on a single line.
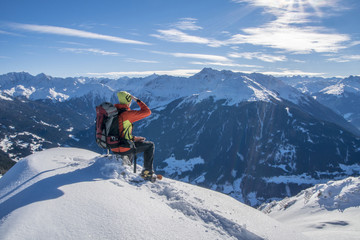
[[149, 175]]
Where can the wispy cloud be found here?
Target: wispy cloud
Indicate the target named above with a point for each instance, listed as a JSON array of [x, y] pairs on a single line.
[[133, 60], [187, 24], [175, 35], [10, 33], [293, 29], [176, 72], [201, 56], [354, 43], [289, 72], [89, 50], [73, 33], [281, 7], [209, 57], [345, 58], [258, 55], [73, 43], [226, 64], [213, 60], [292, 39]]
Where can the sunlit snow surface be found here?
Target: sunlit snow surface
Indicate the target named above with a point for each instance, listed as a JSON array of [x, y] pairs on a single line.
[[69, 193], [325, 211]]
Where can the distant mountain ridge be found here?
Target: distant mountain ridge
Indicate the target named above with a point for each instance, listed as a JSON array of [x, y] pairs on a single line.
[[42, 87], [248, 135], [340, 95]]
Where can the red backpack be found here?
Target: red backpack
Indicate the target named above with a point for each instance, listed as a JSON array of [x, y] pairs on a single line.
[[107, 128]]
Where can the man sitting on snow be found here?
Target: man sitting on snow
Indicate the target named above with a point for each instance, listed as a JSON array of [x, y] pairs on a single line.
[[126, 120]]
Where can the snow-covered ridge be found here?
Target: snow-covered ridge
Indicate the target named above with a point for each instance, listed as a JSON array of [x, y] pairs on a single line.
[[349, 85], [158, 90], [340, 95], [45, 87], [331, 86], [69, 193], [325, 211]]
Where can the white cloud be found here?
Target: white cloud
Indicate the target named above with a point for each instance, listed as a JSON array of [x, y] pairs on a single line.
[[73, 43], [140, 60], [201, 56], [294, 28], [354, 43], [298, 61], [176, 72], [89, 50], [258, 55], [187, 24], [292, 39], [288, 72], [278, 7], [215, 60], [175, 35], [73, 32], [225, 64], [345, 58], [288, 32], [210, 60], [195, 55], [9, 33]]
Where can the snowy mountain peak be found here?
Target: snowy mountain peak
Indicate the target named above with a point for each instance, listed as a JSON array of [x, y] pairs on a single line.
[[336, 89], [43, 76], [69, 193]]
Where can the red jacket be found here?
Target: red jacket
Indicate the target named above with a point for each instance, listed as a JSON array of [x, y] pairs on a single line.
[[127, 118]]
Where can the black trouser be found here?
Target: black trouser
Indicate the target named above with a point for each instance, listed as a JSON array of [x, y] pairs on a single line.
[[148, 149]]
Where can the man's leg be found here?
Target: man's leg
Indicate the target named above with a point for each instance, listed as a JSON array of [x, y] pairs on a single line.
[[148, 149]]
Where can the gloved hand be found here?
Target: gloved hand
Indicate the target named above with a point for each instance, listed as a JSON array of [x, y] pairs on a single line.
[[134, 98]]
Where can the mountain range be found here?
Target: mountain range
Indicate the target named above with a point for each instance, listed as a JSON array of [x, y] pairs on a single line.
[[254, 137]]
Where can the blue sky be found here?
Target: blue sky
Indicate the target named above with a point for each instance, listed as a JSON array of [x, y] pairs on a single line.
[[112, 38]]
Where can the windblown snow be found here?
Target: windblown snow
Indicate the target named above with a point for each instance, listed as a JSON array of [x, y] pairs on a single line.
[[70, 193]]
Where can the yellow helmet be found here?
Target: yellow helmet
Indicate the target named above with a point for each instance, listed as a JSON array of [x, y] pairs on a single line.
[[124, 97]]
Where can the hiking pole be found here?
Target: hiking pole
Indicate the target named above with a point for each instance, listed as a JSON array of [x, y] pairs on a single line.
[[135, 162]]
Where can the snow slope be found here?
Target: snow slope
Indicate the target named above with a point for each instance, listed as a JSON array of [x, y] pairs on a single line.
[[325, 211], [69, 193]]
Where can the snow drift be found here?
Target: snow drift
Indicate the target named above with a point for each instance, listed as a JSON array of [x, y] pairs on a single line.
[[69, 193], [325, 211]]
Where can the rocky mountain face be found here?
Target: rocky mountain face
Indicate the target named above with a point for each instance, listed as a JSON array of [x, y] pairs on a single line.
[[254, 151], [5, 162], [248, 135]]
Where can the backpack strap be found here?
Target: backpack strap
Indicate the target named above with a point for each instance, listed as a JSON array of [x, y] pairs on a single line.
[[131, 144], [122, 142], [120, 111]]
